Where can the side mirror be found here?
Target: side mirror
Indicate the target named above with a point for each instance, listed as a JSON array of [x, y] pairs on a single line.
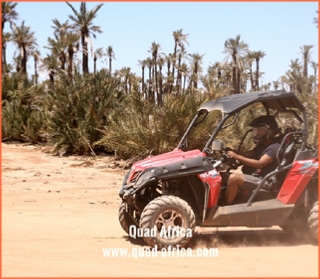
[[217, 145]]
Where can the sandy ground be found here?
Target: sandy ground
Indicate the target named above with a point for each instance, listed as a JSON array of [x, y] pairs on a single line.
[[60, 214]]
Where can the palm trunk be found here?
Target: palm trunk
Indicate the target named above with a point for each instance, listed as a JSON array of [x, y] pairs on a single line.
[[95, 66], [85, 68], [70, 64], [51, 78], [150, 93], [35, 72], [168, 75], [195, 82], [160, 83], [62, 62], [24, 61], [156, 83], [238, 81], [234, 78], [4, 59], [251, 78], [184, 83], [315, 80], [143, 85], [305, 65], [178, 80], [257, 74], [174, 61]]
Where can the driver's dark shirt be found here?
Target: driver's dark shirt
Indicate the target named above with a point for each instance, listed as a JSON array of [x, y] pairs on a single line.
[[270, 150]]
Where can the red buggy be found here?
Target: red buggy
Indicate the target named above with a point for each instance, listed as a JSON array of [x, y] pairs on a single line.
[[167, 196]]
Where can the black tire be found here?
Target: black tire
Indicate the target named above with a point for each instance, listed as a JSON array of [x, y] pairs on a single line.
[[124, 218], [165, 213], [313, 221]]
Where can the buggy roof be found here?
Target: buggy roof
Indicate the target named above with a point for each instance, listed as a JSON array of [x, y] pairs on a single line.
[[277, 100]]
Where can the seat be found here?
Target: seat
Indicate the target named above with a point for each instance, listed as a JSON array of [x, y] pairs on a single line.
[[285, 156], [273, 181]]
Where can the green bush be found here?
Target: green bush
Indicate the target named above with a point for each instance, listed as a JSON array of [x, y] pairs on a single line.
[[140, 128], [78, 108], [22, 111]]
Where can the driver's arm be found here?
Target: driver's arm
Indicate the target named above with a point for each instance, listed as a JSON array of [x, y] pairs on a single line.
[[248, 154], [257, 164]]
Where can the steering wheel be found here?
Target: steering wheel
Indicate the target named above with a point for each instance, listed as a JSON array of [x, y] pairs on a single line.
[[233, 163]]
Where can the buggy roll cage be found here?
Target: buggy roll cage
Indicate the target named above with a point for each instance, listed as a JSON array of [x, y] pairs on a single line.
[[279, 101]]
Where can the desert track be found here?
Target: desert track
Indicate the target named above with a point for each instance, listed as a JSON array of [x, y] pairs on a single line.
[[58, 214]]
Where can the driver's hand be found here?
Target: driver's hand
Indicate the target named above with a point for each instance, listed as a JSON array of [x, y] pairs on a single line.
[[233, 155], [228, 149]]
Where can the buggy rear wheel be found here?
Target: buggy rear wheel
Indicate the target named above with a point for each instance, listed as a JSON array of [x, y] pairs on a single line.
[[172, 221], [313, 221]]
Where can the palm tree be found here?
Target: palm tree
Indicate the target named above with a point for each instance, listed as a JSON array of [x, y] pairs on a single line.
[[209, 81], [59, 49], [196, 61], [17, 63], [314, 66], [295, 66], [50, 64], [275, 84], [217, 69], [184, 71], [283, 79], [72, 43], [169, 59], [235, 49], [295, 78], [250, 58], [181, 54], [315, 20], [257, 55], [65, 44], [305, 50], [97, 54], [36, 57], [82, 23], [111, 55], [142, 64], [25, 41], [125, 72], [161, 62], [8, 15], [149, 64], [60, 29], [5, 39], [154, 53], [179, 40]]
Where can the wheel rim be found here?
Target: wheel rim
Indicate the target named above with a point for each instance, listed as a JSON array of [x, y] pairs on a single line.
[[169, 224]]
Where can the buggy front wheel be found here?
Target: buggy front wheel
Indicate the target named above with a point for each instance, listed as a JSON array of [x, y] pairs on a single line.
[[170, 221]]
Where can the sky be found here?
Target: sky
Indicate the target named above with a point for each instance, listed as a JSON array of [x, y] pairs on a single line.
[[279, 29]]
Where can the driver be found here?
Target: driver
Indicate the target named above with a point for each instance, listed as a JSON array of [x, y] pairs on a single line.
[[259, 161]]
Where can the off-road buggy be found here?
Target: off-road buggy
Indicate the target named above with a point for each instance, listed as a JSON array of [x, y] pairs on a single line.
[[165, 197]]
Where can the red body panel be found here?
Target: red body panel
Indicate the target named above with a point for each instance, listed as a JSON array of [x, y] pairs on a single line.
[[174, 156], [213, 178], [296, 180]]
